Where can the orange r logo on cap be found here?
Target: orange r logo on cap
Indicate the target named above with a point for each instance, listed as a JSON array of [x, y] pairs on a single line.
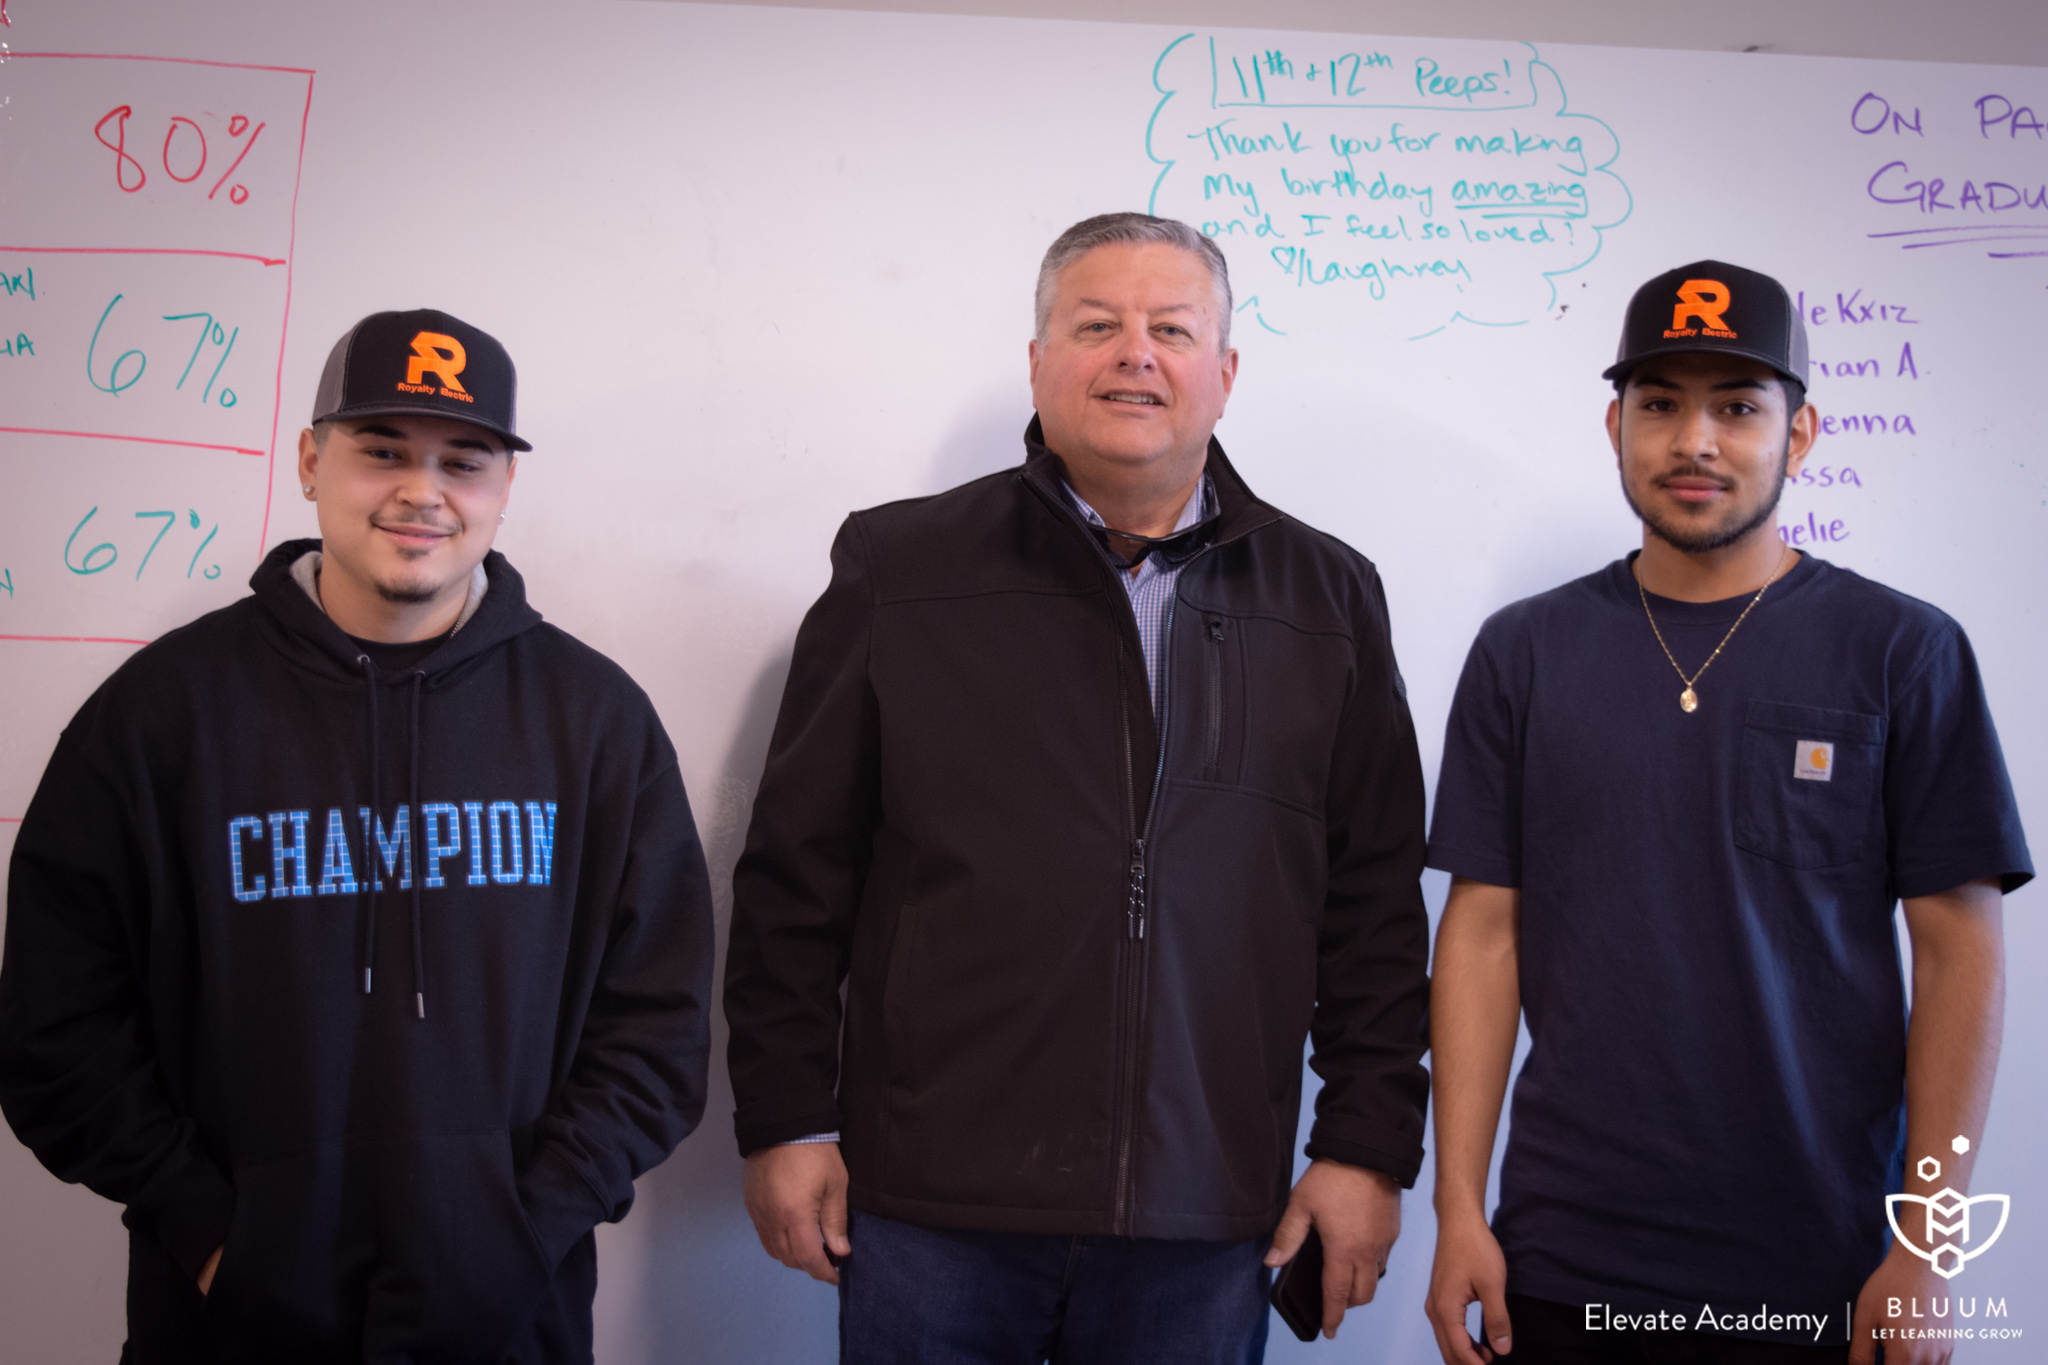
[[1702, 299], [437, 354]]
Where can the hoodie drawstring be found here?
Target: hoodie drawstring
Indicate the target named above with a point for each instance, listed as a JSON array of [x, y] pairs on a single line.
[[415, 848], [419, 961], [370, 864]]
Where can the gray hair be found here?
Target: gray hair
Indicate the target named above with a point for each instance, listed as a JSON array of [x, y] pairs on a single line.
[[1111, 229]]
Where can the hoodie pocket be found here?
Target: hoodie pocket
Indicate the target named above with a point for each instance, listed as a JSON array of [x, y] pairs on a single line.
[[413, 1247], [295, 1245], [460, 1269]]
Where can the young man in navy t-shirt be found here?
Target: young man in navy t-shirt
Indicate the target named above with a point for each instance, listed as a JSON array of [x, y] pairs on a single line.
[[1680, 799]]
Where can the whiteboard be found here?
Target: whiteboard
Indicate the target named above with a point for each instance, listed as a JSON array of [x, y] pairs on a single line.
[[760, 267]]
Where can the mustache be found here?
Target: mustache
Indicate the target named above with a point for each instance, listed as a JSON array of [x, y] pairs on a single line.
[[1694, 471]]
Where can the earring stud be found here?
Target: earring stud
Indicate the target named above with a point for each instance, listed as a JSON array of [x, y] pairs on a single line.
[[308, 487]]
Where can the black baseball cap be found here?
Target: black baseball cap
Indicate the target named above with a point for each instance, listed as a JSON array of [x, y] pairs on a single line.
[[424, 362], [1713, 306]]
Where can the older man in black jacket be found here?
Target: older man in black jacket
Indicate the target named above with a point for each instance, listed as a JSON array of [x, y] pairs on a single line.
[[1094, 784]]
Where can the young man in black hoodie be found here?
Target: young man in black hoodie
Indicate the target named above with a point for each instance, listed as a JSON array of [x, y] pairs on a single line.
[[358, 937]]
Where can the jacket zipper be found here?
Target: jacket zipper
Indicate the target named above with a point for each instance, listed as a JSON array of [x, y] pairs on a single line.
[[1215, 653], [1137, 903], [1137, 909]]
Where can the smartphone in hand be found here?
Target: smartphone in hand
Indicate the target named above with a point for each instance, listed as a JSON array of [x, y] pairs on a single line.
[[1298, 1289]]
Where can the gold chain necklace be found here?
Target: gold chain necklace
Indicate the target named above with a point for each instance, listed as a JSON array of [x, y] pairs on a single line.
[[1689, 700]]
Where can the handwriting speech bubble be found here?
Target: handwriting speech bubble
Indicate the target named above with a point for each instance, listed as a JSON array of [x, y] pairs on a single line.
[[1393, 188]]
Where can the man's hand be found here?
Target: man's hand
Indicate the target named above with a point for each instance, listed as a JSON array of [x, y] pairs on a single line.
[[1951, 1056], [1469, 1267], [1358, 1214], [206, 1271], [796, 1195], [1474, 1003], [1900, 1277]]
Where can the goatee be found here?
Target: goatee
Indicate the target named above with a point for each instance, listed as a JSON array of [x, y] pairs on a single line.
[[1712, 538], [405, 597]]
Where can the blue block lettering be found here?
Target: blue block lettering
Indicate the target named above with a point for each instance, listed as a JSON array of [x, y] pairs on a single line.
[[337, 877], [475, 811], [542, 837], [235, 828], [504, 819], [293, 853], [396, 848], [431, 816]]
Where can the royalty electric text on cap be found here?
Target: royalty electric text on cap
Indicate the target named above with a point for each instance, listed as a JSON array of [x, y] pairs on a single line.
[[1713, 306], [426, 363]]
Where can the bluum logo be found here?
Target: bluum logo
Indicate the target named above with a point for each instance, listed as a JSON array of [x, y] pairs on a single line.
[[1948, 1242]]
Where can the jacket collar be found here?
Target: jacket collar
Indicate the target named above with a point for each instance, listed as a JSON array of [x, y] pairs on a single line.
[[1238, 512]]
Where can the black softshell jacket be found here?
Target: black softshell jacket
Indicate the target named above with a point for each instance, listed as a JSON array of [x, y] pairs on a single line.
[[1081, 953], [241, 823]]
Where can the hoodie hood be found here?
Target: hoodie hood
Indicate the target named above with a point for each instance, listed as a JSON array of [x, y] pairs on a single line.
[[295, 625]]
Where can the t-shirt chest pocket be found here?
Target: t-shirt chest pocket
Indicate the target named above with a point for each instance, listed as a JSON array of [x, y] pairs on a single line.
[[1807, 785]]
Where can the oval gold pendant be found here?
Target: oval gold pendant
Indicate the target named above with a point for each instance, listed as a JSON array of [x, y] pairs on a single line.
[[1688, 701]]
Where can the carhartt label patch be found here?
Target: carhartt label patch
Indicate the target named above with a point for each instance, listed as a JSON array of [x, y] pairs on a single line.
[[1814, 761]]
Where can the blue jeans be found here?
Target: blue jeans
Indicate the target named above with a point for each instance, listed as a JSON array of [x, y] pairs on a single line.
[[922, 1296]]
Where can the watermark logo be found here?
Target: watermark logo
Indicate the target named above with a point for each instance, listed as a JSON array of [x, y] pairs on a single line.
[[1949, 1239]]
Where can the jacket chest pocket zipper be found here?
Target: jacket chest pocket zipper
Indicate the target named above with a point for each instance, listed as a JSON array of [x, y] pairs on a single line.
[[1215, 671]]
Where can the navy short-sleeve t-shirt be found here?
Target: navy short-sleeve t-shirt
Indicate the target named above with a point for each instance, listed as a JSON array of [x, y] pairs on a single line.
[[1712, 1109]]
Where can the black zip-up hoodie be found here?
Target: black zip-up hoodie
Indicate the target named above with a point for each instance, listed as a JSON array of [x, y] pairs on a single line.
[[1081, 951], [390, 984]]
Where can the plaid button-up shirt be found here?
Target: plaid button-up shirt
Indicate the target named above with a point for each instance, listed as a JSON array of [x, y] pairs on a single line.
[[1151, 586]]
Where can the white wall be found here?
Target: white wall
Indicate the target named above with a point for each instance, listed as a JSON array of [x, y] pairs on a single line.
[[2002, 32]]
